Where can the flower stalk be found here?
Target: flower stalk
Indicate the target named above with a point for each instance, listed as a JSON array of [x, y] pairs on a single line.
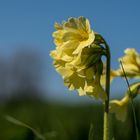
[[135, 120], [107, 89]]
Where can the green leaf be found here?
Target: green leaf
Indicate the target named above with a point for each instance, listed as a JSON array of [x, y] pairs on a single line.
[[20, 123], [90, 135]]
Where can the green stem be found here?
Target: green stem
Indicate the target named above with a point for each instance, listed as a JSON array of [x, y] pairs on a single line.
[[107, 89], [106, 126], [135, 120]]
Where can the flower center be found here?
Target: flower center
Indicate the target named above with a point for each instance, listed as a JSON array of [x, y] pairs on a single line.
[[84, 35]]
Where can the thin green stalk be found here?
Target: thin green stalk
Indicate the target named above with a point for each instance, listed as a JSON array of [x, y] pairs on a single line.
[[132, 103], [135, 120], [107, 89]]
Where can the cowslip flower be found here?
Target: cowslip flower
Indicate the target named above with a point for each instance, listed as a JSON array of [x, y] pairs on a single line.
[[131, 64], [72, 36], [77, 58], [96, 91], [119, 107]]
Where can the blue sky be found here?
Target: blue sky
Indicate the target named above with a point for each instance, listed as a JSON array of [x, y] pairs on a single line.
[[31, 22]]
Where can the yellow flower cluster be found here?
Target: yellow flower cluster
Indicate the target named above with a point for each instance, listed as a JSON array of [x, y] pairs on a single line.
[[76, 58]]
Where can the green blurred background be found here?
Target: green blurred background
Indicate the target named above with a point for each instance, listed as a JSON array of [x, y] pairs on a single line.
[[57, 121]]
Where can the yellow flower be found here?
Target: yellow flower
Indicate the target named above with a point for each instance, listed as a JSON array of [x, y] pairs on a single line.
[[131, 64], [68, 69], [72, 36], [119, 107], [93, 88], [94, 91], [76, 58], [73, 78]]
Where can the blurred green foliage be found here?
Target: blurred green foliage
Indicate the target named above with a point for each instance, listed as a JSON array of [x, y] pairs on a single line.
[[61, 122]]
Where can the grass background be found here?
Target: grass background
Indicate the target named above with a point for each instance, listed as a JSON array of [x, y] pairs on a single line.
[[62, 122]]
